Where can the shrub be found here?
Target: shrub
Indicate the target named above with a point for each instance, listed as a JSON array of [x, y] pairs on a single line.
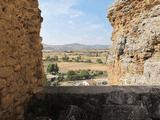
[[88, 61], [65, 58], [71, 75], [84, 74], [53, 59], [78, 59], [98, 73], [60, 77], [78, 75], [99, 61], [53, 68]]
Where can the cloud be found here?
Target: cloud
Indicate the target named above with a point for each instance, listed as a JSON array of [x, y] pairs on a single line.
[[60, 8], [85, 33], [66, 23]]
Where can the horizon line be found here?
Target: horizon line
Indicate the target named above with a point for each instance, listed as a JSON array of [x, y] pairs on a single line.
[[76, 43]]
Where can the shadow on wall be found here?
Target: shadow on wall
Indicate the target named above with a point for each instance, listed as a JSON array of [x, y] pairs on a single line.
[[83, 103]]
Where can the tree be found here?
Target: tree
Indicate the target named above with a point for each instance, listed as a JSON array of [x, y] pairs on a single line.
[[71, 75], [78, 75], [65, 58], [52, 59], [55, 58], [60, 77], [53, 68], [98, 73], [78, 59], [84, 74], [99, 61]]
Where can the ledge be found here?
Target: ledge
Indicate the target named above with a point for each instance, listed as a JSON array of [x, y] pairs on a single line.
[[95, 103], [96, 89]]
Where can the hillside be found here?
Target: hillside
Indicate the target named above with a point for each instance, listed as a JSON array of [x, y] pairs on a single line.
[[73, 47]]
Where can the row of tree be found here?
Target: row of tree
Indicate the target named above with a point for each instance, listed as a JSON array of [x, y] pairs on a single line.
[[65, 58], [73, 75]]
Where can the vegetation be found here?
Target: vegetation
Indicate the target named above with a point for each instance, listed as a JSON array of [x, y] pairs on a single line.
[[82, 74], [78, 75], [61, 76], [65, 58], [99, 61], [52, 59], [53, 69], [78, 59], [71, 75], [74, 66], [88, 61]]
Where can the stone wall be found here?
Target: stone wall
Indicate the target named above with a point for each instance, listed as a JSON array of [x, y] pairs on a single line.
[[95, 103], [135, 54], [20, 55]]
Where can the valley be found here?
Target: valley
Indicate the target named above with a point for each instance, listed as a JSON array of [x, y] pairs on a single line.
[[76, 68]]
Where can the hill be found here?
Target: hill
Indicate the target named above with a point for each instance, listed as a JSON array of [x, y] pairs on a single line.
[[73, 47]]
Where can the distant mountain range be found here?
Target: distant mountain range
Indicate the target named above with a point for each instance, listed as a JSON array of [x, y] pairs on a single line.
[[73, 47]]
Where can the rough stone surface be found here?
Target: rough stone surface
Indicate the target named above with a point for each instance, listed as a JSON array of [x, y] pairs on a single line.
[[20, 55], [108, 103], [135, 56]]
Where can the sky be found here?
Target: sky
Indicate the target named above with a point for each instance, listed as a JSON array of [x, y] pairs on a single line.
[[75, 21]]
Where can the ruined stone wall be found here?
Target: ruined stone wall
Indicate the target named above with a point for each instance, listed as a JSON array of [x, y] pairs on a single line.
[[135, 54], [20, 55], [95, 103]]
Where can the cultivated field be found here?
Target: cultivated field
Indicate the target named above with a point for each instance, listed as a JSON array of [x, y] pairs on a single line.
[[85, 55], [66, 66], [93, 61]]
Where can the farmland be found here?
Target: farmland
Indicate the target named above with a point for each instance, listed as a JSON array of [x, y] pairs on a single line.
[[93, 62]]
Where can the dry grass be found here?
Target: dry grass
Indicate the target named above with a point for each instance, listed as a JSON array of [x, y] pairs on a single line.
[[74, 55], [66, 66]]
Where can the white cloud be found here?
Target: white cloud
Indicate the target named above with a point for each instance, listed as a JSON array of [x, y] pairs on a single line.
[[60, 7], [86, 33], [63, 24]]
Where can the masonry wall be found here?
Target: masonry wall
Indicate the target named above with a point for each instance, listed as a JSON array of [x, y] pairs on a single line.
[[135, 54], [95, 103], [20, 55]]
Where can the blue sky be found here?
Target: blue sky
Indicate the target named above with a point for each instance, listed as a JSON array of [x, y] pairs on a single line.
[[75, 21]]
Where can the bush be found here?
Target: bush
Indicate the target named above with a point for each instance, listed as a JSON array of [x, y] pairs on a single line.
[[60, 77], [88, 61], [78, 59], [53, 59], [98, 73], [71, 75], [78, 75], [99, 61], [65, 58], [84, 75], [53, 68]]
